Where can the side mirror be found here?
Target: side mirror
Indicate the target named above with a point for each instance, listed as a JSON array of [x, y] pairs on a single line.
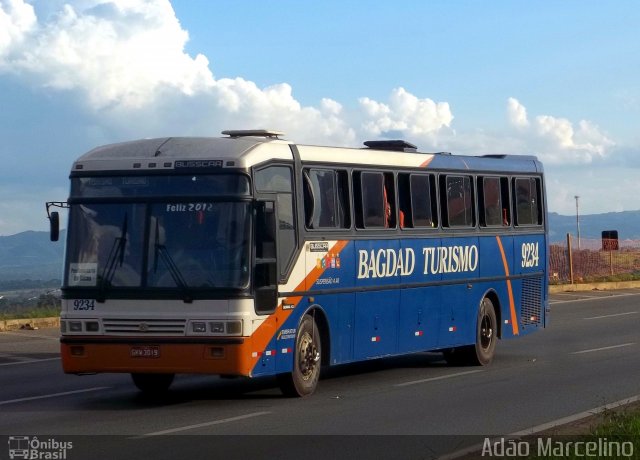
[[54, 226]]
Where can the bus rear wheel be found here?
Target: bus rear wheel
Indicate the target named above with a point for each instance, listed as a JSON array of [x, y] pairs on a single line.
[[153, 384], [482, 353], [303, 380]]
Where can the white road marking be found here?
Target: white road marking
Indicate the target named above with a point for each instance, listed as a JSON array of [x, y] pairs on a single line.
[[433, 379], [477, 448], [588, 298], [53, 395], [603, 348], [205, 424], [613, 315], [28, 361]]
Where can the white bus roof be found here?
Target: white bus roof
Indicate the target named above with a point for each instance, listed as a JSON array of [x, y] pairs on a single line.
[[247, 148]]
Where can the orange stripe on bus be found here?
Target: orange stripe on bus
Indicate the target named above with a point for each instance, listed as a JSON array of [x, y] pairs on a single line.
[[512, 305], [265, 332], [426, 162]]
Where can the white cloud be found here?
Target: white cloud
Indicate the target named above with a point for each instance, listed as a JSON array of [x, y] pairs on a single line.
[[120, 52], [17, 19], [405, 113], [558, 140], [517, 113]]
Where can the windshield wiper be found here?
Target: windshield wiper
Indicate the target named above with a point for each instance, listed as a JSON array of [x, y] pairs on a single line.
[[174, 271], [115, 255]]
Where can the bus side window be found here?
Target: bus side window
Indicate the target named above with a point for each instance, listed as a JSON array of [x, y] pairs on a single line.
[[389, 192], [494, 201], [326, 199], [458, 199], [375, 199], [423, 208], [527, 201], [405, 216], [343, 217], [372, 199]]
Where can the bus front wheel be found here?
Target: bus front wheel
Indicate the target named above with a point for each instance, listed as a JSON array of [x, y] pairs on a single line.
[[303, 380], [153, 384], [483, 351]]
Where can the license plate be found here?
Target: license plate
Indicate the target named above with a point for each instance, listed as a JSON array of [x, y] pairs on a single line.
[[145, 352]]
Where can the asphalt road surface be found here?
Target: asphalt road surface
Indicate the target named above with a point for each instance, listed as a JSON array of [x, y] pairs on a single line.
[[588, 357]]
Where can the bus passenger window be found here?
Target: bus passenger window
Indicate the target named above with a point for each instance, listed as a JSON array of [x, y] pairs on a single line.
[[422, 205], [373, 199], [459, 201], [389, 201], [326, 199], [528, 206], [494, 199]]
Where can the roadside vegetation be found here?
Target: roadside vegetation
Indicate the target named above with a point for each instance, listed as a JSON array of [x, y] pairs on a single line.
[[40, 312], [29, 303], [613, 429]]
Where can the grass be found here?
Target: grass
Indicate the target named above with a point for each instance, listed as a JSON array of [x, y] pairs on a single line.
[[36, 312], [617, 433]]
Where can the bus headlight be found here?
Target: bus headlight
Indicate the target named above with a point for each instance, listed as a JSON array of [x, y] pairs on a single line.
[[92, 326], [217, 327], [199, 328], [74, 327]]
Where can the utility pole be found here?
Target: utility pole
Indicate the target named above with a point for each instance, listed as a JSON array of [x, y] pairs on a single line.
[[578, 219]]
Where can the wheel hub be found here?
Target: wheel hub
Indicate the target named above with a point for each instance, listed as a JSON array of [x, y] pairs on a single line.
[[308, 356], [486, 332]]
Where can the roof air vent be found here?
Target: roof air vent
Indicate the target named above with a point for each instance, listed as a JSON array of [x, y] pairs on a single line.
[[392, 145], [268, 133]]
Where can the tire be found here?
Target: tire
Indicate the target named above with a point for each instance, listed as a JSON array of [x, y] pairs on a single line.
[[303, 380], [482, 353], [153, 384]]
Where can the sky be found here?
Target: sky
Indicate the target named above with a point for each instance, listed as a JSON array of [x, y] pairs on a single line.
[[559, 80]]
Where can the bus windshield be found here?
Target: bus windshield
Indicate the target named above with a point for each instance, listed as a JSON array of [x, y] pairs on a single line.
[[172, 244]]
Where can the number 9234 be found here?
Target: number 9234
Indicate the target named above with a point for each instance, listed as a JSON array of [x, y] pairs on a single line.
[[530, 255], [84, 304]]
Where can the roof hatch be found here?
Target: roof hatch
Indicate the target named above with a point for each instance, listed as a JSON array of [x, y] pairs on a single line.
[[268, 133], [392, 145]]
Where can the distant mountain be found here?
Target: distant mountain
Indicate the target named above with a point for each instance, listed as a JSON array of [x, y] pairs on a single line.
[[30, 255], [627, 224]]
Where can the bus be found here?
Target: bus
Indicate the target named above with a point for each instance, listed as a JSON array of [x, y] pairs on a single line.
[[249, 255]]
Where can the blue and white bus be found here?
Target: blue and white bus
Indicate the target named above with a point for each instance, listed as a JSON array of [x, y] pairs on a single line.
[[249, 255]]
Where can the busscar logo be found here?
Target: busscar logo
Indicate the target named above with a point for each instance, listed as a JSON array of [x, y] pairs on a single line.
[[27, 447], [319, 247]]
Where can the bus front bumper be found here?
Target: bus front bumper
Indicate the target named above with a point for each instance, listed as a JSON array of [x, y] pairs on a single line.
[[225, 356]]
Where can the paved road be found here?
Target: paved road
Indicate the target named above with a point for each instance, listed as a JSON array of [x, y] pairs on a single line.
[[590, 356]]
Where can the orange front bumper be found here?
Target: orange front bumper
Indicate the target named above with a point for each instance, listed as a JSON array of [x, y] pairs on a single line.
[[89, 355]]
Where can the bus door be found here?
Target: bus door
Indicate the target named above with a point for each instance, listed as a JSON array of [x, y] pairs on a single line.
[[377, 298]]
